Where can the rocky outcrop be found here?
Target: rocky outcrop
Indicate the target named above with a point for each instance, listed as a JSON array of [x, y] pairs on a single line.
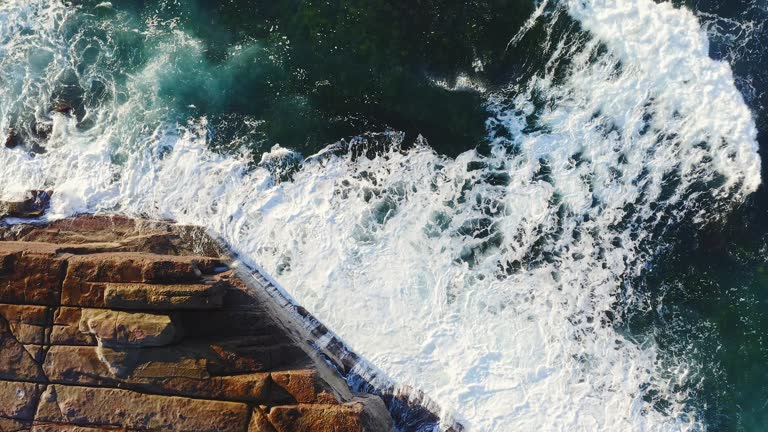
[[32, 205], [12, 139], [110, 323]]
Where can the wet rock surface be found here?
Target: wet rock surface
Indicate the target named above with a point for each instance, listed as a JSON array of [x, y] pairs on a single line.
[[33, 205], [12, 139], [112, 323]]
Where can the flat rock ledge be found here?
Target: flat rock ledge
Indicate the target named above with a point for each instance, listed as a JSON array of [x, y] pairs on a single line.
[[109, 323]]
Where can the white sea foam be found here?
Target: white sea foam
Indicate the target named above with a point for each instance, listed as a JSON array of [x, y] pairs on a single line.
[[483, 281]]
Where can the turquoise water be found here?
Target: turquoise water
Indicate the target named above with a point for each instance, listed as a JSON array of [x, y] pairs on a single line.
[[315, 72], [469, 173]]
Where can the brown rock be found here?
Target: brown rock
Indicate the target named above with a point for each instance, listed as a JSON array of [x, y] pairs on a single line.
[[104, 366], [34, 204], [123, 234], [78, 230], [251, 354], [84, 284], [76, 365], [62, 107], [12, 139], [150, 268], [122, 408], [315, 418], [36, 352], [302, 385], [116, 329], [30, 274], [19, 399], [81, 365], [54, 427], [154, 362], [192, 359], [66, 328], [15, 362], [48, 409], [363, 414], [12, 425], [146, 296], [95, 308], [260, 422], [28, 323]]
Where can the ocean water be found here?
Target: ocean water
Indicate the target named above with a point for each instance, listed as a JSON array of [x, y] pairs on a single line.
[[544, 215]]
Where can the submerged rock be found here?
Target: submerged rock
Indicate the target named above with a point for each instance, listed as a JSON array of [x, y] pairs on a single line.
[[63, 107], [42, 130], [12, 139]]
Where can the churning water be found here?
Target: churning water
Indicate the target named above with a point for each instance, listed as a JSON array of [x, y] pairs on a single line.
[[495, 277]]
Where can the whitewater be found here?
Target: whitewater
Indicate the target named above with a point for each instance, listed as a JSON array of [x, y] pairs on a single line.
[[492, 282]]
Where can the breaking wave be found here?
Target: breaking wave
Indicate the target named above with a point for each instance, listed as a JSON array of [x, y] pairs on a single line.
[[492, 281]]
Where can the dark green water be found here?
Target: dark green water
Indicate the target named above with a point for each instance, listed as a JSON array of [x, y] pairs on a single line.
[[317, 71], [707, 296]]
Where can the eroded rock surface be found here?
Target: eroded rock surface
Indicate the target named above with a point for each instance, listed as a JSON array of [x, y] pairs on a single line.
[[110, 323], [34, 203]]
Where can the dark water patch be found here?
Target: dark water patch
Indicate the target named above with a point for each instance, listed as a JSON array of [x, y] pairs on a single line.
[[705, 299], [312, 72], [706, 303]]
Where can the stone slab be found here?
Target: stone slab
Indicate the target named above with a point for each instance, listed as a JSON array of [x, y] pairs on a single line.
[[28, 323], [362, 414], [82, 366], [18, 400], [13, 425], [260, 422], [138, 296], [16, 363], [66, 328], [90, 406], [30, 274], [121, 329]]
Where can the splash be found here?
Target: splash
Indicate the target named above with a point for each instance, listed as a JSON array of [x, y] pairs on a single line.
[[490, 281]]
